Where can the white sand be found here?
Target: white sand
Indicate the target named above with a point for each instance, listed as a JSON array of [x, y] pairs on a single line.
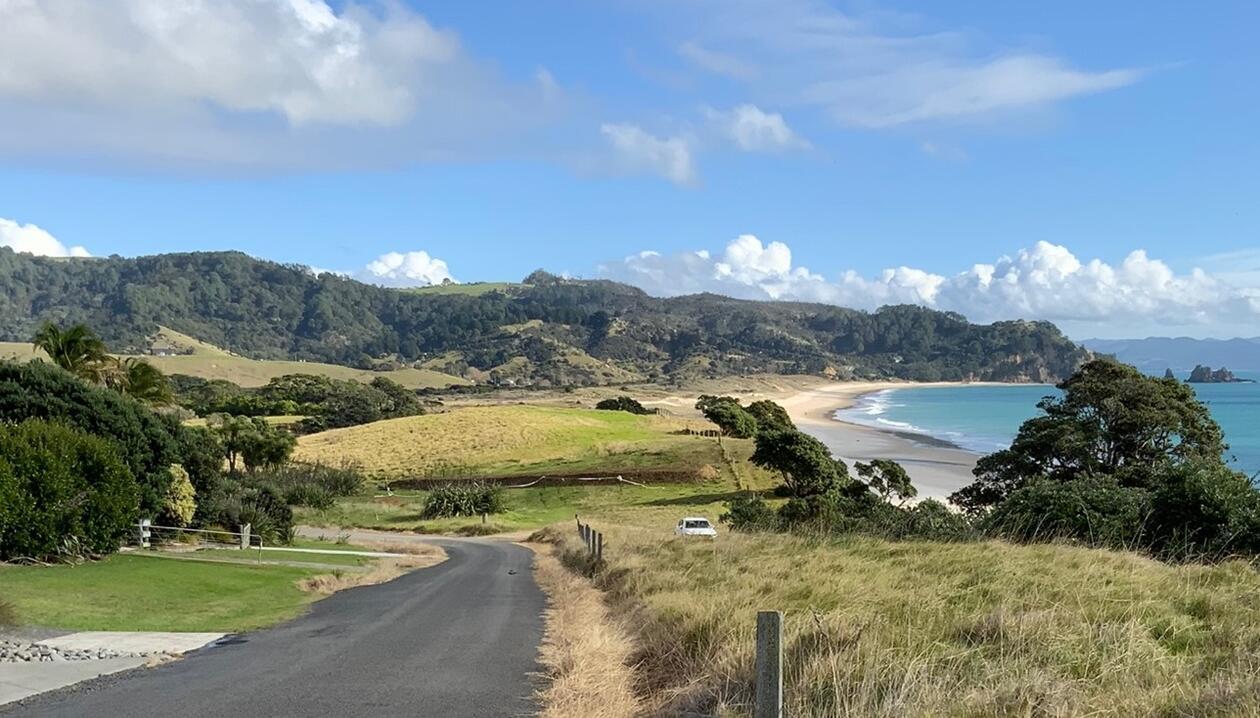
[[936, 468]]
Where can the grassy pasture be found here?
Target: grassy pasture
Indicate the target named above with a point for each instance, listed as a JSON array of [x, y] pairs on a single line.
[[471, 289], [515, 440], [879, 628]]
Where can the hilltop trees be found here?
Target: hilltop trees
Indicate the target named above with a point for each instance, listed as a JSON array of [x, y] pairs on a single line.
[[623, 403]]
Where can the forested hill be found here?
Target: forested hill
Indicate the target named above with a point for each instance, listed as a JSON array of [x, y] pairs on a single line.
[[545, 330]]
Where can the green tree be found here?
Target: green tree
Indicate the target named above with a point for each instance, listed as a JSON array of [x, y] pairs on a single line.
[[181, 498], [623, 403], [144, 382], [76, 349], [1113, 421], [729, 416], [807, 467], [770, 416], [888, 479]]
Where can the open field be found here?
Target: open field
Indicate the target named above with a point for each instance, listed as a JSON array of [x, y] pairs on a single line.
[[516, 440], [879, 628], [469, 289], [257, 372]]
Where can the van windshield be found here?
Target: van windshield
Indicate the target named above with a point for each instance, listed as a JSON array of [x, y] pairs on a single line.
[[696, 524]]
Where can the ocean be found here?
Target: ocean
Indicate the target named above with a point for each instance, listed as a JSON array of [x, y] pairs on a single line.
[[985, 419]]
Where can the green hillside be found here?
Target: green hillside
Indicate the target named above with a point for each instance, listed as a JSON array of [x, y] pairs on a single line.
[[545, 331]]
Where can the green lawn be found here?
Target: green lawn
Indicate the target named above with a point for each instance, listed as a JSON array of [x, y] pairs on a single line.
[[137, 593]]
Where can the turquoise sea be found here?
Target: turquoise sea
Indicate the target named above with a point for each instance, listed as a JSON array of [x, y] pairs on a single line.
[[985, 418]]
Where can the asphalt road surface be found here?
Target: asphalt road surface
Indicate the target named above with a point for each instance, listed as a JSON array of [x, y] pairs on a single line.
[[457, 639]]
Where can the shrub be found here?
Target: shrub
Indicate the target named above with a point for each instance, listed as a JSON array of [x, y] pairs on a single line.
[[464, 498], [1204, 510], [62, 492], [312, 495], [262, 506], [307, 479], [623, 403], [750, 512], [1096, 510], [181, 502], [145, 441]]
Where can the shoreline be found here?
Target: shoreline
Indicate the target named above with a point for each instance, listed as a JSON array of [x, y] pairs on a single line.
[[936, 467]]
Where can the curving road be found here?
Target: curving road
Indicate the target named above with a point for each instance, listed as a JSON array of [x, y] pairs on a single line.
[[457, 639]]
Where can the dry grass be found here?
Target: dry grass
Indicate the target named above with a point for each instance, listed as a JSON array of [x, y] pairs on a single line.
[[585, 652], [875, 628], [381, 570], [513, 440]]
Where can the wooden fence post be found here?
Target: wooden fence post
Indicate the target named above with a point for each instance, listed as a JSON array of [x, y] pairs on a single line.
[[599, 546], [769, 697]]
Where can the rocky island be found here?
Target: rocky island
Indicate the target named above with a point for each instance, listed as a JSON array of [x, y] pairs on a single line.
[[1206, 375]]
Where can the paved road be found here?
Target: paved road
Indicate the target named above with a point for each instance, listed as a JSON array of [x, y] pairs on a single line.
[[458, 639]]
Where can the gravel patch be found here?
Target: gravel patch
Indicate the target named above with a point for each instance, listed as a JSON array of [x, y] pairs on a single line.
[[12, 651]]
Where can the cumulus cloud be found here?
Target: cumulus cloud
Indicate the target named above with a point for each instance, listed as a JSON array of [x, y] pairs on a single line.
[[1045, 281], [638, 150], [404, 269], [878, 70], [753, 130], [33, 239], [247, 81]]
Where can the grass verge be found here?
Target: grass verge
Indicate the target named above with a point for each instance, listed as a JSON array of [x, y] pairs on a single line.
[[587, 656], [878, 628]]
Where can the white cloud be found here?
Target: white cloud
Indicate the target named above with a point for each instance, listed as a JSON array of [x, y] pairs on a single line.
[[32, 239], [404, 269], [638, 150], [1045, 281], [754, 130], [716, 62], [877, 70], [248, 82]]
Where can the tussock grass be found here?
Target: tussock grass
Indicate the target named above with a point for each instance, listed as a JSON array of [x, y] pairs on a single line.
[[512, 440], [586, 653], [878, 628]]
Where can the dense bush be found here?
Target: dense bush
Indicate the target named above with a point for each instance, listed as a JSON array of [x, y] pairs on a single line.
[[146, 441], [725, 411], [1097, 510], [62, 492], [251, 443], [314, 485], [749, 512], [623, 403], [463, 498], [1204, 510], [262, 506]]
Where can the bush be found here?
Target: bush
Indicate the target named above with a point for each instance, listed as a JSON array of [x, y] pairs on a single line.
[[750, 512], [1204, 510], [63, 492], [464, 498], [309, 480], [181, 502], [1098, 511], [261, 505], [145, 441], [623, 403]]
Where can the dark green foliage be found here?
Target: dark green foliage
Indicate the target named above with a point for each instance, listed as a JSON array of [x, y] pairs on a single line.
[[749, 512], [267, 310], [314, 485], [725, 411], [1111, 420], [201, 455], [145, 441], [887, 478], [1204, 509], [770, 416], [463, 498], [623, 403], [1098, 511], [77, 349], [250, 443], [934, 521], [237, 502], [805, 463], [63, 492]]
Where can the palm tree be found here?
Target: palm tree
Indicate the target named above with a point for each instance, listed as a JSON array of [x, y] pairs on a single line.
[[143, 382], [77, 350]]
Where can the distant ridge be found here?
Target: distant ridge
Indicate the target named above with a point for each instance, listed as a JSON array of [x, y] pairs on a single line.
[[1181, 354], [545, 331]]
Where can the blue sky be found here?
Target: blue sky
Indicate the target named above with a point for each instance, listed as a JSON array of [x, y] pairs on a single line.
[[854, 153]]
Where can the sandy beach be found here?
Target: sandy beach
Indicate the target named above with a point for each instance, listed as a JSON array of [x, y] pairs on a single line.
[[937, 468]]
